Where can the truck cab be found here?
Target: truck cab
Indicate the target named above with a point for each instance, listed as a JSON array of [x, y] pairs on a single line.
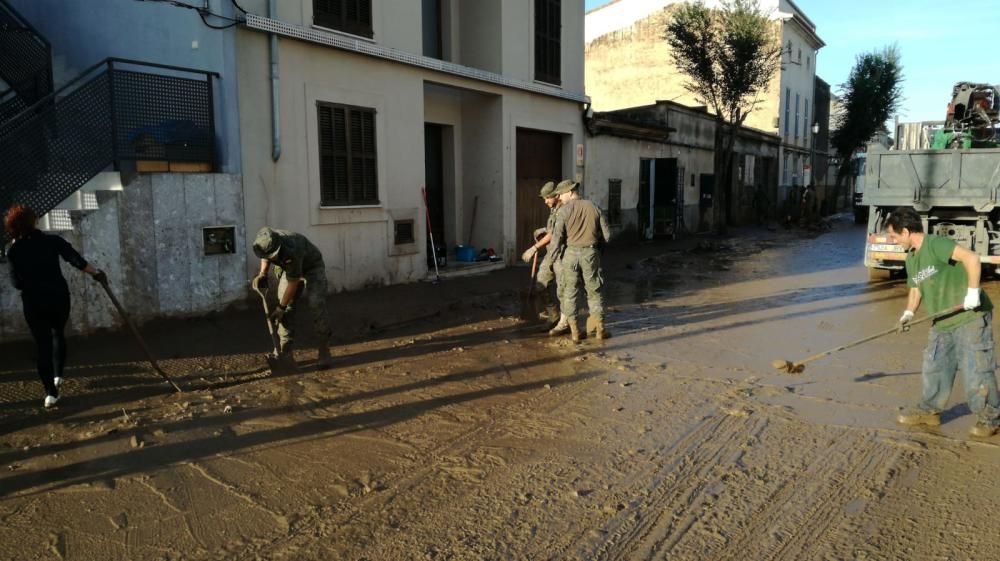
[[956, 193]]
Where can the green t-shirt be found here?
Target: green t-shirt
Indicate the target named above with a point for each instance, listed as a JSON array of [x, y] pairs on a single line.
[[942, 282]]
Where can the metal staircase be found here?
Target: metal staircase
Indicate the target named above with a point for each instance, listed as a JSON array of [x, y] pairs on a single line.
[[25, 63], [114, 116]]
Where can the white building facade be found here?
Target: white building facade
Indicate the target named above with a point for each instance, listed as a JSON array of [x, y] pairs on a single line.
[[479, 102], [624, 46]]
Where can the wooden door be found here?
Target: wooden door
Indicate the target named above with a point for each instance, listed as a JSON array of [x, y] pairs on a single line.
[[539, 159]]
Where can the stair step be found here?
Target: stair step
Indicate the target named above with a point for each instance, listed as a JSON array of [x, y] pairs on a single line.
[[58, 220]]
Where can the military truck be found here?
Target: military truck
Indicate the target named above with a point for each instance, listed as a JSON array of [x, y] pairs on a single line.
[[954, 185]]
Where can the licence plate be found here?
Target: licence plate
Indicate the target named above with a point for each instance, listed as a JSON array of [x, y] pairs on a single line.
[[886, 247]]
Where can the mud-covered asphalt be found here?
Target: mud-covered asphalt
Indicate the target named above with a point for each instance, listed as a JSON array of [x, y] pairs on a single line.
[[461, 433]]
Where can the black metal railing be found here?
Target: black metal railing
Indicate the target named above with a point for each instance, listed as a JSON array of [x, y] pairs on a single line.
[[116, 111], [25, 57], [11, 104]]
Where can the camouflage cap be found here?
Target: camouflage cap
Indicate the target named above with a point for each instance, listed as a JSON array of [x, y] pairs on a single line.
[[548, 190], [267, 244], [565, 186]]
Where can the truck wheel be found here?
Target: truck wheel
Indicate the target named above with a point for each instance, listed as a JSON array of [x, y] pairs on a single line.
[[861, 215], [875, 274]]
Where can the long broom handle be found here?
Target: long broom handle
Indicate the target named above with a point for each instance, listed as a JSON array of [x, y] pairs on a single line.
[[430, 231], [138, 337], [952, 310]]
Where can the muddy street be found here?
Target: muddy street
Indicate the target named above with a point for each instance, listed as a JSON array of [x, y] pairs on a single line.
[[465, 434]]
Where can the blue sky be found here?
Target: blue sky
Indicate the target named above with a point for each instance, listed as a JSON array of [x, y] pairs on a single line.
[[934, 56]]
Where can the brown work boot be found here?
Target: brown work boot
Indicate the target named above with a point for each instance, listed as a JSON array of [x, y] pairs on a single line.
[[917, 416], [982, 429], [575, 334], [560, 328], [599, 330], [323, 358]]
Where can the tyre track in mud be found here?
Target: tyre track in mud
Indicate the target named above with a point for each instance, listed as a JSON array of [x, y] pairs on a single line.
[[689, 459], [713, 499]]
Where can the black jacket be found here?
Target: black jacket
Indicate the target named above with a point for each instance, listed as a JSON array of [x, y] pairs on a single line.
[[34, 263]]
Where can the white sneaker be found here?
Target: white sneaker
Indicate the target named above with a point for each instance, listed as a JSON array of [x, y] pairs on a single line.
[[57, 381], [50, 400]]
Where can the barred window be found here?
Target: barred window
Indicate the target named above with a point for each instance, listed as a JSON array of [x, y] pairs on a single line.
[[548, 33], [615, 202], [347, 155], [349, 16]]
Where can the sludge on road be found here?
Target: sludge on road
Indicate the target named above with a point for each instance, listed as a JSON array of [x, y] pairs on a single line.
[[480, 440]]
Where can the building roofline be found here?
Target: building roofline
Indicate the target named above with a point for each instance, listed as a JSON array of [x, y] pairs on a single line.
[[802, 14], [617, 121], [808, 31]]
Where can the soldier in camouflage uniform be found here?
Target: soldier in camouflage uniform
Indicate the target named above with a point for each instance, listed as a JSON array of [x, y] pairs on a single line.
[[546, 271], [298, 264], [581, 232]]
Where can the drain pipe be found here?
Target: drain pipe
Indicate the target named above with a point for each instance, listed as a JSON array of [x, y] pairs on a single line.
[[272, 13]]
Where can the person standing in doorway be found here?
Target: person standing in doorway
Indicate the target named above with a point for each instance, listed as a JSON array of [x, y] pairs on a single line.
[[581, 232], [942, 274], [301, 277], [547, 275], [34, 268]]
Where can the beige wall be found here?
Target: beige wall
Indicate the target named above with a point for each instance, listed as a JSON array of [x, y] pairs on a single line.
[[633, 67], [481, 44], [519, 42], [691, 143], [619, 158], [493, 35], [357, 242]]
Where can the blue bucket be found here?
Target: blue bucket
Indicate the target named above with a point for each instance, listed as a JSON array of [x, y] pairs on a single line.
[[465, 253]]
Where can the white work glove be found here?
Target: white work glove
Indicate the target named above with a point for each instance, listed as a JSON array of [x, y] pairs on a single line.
[[971, 299], [528, 254], [904, 320]]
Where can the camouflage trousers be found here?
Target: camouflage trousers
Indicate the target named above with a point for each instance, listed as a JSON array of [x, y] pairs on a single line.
[[312, 296], [582, 263], [547, 283]]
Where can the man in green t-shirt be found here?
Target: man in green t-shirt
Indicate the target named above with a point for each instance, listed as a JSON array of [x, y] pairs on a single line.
[[942, 274]]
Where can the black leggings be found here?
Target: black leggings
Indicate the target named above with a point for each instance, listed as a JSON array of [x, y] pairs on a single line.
[[47, 316]]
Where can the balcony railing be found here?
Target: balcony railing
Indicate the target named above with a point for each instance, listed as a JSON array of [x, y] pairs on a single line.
[[114, 112]]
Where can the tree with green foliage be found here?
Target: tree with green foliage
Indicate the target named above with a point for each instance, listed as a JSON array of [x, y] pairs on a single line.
[[729, 56], [872, 93]]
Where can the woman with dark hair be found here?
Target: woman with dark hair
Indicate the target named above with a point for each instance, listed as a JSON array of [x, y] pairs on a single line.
[[34, 267]]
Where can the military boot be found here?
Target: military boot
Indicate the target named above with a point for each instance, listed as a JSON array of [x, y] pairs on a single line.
[[916, 416], [560, 328], [575, 334], [599, 330]]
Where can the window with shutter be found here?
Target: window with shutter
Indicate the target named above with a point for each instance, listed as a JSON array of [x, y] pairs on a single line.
[[348, 160], [349, 16], [548, 33]]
